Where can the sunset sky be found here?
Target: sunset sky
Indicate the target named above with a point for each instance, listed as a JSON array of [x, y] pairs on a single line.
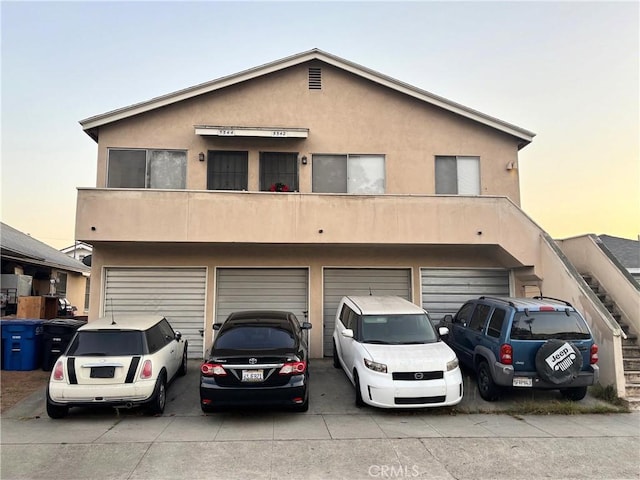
[[567, 71]]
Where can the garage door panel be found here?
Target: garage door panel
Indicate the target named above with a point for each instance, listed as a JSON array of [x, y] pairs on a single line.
[[256, 289], [177, 293], [339, 282], [445, 290]]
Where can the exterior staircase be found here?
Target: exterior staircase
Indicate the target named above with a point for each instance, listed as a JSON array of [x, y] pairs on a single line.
[[630, 345]]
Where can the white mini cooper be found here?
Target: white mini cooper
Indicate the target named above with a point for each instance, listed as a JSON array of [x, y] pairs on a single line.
[[392, 354], [121, 361]]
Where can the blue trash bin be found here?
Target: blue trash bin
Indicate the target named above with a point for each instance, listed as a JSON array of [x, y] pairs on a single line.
[[22, 344]]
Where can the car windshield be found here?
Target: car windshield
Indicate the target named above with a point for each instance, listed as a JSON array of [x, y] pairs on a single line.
[[547, 325], [251, 337], [397, 329], [107, 343]]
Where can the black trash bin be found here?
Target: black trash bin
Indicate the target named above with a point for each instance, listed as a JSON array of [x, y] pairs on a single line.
[[57, 334]]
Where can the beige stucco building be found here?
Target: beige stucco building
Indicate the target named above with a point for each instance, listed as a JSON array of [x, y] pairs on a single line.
[[388, 189]]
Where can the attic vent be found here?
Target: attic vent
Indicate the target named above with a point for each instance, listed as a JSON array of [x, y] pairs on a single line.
[[315, 78]]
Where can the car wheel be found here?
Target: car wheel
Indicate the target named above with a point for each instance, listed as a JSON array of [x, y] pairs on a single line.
[[336, 360], [55, 411], [489, 391], [159, 399], [359, 400], [182, 371], [574, 393], [206, 408], [563, 372]]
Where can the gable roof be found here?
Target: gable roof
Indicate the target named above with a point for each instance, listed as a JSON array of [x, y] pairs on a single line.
[[77, 246], [90, 125], [17, 246]]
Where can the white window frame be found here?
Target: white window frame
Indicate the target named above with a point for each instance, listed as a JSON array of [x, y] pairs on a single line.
[[148, 159], [353, 184], [467, 184]]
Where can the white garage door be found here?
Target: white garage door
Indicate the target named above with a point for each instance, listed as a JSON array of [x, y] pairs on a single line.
[[339, 282], [261, 289], [444, 290], [176, 293]]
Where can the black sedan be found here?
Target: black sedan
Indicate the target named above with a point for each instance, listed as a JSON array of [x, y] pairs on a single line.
[[258, 358]]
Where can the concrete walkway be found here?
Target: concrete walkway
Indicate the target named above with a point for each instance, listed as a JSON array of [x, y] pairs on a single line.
[[333, 440]]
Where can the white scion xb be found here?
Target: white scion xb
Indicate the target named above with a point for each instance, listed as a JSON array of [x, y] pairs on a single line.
[[393, 355]]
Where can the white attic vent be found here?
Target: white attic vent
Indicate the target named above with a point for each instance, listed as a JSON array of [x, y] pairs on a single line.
[[315, 78]]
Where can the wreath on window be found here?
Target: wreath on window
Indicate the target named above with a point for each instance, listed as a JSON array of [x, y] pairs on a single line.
[[279, 187]]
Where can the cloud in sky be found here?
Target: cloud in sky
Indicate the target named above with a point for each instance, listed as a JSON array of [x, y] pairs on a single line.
[[567, 71]]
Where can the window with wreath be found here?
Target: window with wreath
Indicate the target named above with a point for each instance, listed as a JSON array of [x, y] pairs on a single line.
[[278, 172]]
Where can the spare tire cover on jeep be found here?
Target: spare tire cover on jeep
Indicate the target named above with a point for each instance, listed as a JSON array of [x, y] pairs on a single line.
[[558, 361]]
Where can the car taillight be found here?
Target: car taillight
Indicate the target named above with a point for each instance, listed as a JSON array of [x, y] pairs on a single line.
[[147, 369], [506, 354], [594, 354], [546, 308], [58, 371], [293, 368], [212, 370]]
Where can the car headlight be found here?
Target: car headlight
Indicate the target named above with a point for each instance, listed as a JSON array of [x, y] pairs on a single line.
[[452, 364], [375, 366]]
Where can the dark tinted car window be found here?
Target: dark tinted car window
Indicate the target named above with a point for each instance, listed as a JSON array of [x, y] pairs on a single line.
[[479, 318], [155, 339], [464, 314], [166, 330], [107, 343], [495, 324], [251, 337], [547, 325], [397, 329]]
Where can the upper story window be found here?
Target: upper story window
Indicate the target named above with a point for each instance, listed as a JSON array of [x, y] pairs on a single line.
[[458, 175], [278, 171], [164, 169], [227, 170], [358, 174]]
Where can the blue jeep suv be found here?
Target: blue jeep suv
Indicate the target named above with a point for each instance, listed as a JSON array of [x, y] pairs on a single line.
[[538, 342]]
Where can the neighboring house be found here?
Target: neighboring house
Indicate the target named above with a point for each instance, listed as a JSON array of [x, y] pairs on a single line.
[[291, 184], [81, 251], [31, 267], [625, 251], [78, 250]]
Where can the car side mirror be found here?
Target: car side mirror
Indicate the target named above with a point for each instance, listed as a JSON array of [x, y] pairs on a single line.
[[178, 335], [448, 318], [443, 331], [347, 333], [306, 326], [216, 326]]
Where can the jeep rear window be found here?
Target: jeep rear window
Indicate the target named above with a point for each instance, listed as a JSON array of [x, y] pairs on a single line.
[[254, 338], [107, 343], [548, 325]]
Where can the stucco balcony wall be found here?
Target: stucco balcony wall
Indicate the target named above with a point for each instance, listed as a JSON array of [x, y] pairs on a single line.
[[113, 215]]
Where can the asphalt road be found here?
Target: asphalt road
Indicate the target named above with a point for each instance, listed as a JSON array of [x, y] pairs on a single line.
[[333, 440]]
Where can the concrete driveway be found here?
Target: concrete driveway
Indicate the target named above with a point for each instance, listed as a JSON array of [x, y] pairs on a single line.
[[334, 439]]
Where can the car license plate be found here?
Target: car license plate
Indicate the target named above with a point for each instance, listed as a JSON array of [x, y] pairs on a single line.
[[252, 375], [522, 382], [102, 372]]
